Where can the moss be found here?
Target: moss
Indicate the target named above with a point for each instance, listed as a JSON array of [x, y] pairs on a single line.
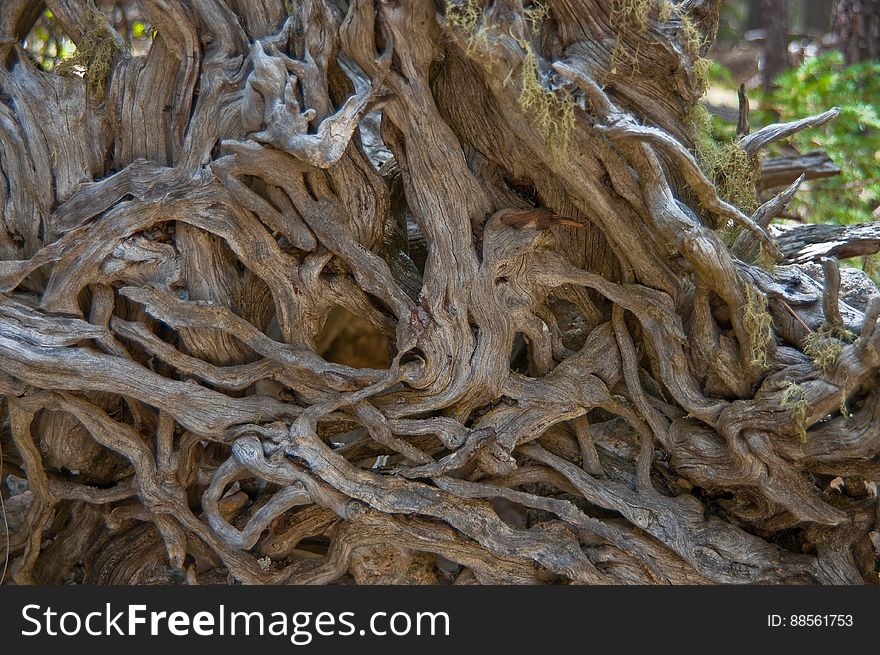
[[730, 168], [631, 13], [464, 14], [758, 324], [620, 54], [536, 13], [701, 68], [795, 399], [694, 44], [825, 345], [664, 10], [95, 53], [552, 112], [693, 39], [765, 260], [843, 409], [822, 349], [627, 15], [728, 233]]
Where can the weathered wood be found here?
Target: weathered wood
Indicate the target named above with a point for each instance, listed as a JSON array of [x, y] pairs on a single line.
[[781, 171], [803, 243], [508, 200]]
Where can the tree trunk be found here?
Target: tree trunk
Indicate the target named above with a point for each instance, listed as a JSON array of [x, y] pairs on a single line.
[[856, 26], [754, 17], [775, 14], [587, 378], [817, 16]]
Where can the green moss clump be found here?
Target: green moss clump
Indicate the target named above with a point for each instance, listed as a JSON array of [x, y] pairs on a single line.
[[701, 68], [464, 14], [693, 39], [795, 399], [94, 54], [822, 349], [664, 10], [694, 44], [730, 168], [552, 112], [825, 345], [728, 233], [765, 260], [536, 13], [758, 324], [633, 13]]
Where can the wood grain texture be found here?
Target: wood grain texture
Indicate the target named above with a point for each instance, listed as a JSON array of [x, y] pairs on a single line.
[[580, 380]]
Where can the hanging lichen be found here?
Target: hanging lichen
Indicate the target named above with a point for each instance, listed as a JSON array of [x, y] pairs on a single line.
[[825, 345], [95, 53], [552, 112], [536, 13], [794, 398], [730, 168], [695, 44], [633, 13], [627, 16], [758, 324], [464, 14]]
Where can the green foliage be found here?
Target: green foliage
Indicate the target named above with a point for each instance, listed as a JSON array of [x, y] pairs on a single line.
[[140, 30], [47, 43], [732, 23], [852, 139], [53, 50]]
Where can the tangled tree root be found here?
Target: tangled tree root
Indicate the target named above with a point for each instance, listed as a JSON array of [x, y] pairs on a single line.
[[598, 393]]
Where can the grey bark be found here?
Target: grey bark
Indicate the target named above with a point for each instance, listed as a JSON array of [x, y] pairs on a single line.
[[177, 248]]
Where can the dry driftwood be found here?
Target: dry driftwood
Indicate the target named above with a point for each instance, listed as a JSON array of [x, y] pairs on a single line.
[[811, 242], [180, 245], [785, 169]]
